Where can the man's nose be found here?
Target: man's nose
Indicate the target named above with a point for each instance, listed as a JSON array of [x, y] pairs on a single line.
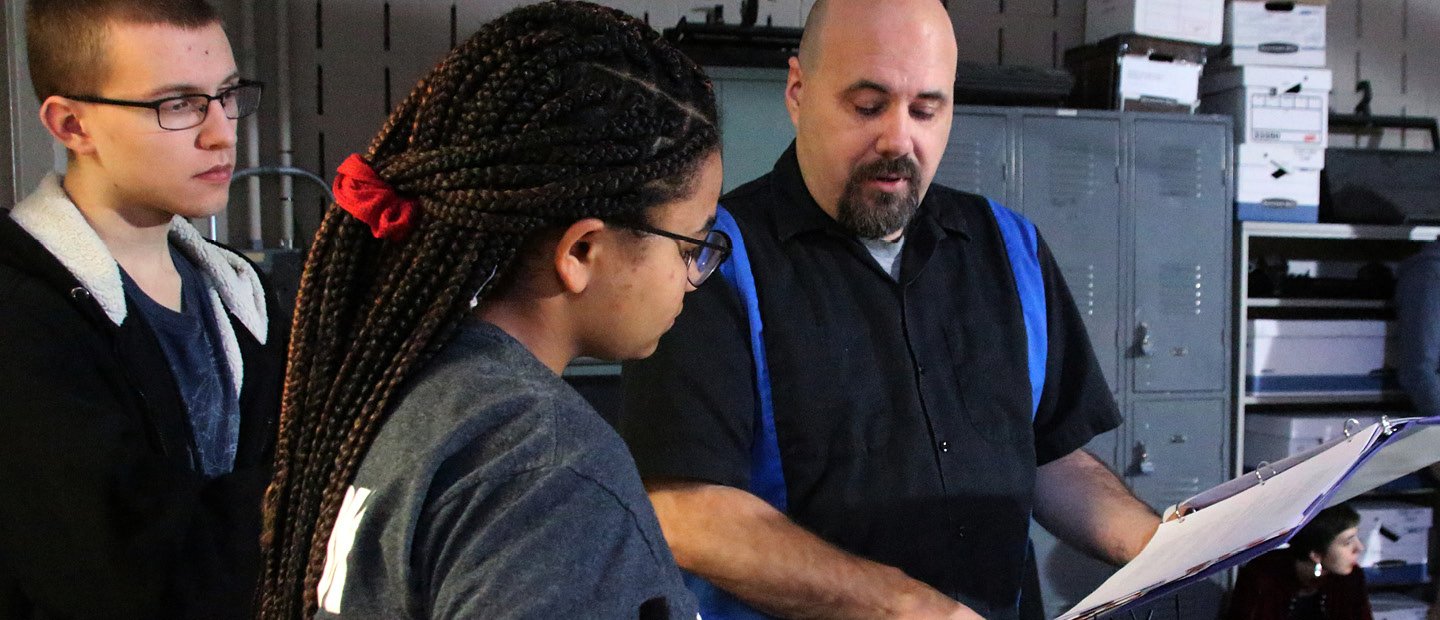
[[217, 131], [895, 138]]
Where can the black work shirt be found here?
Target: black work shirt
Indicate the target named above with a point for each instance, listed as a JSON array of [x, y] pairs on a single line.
[[902, 408]]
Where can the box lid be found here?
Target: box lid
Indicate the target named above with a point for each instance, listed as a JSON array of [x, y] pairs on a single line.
[[1394, 601], [1279, 8], [1279, 156], [1317, 427], [1281, 79], [1292, 328]]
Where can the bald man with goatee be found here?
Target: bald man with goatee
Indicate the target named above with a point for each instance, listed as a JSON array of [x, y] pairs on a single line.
[[884, 456]]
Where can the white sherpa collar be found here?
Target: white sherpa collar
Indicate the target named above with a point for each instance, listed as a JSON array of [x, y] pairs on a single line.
[[49, 215]]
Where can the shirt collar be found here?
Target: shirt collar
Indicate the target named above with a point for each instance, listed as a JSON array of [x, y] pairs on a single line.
[[801, 214]]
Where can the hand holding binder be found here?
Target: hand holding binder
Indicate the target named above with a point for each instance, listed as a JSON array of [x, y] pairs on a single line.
[[1245, 517]]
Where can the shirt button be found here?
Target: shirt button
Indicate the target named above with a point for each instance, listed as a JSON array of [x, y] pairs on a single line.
[[920, 370], [944, 446]]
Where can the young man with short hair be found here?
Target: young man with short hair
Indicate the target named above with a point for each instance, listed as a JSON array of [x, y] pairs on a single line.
[[140, 365]]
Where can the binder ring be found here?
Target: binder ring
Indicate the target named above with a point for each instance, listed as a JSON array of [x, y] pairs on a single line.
[[1181, 511], [1260, 471]]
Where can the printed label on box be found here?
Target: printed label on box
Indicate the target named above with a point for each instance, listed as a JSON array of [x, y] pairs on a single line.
[[1293, 118], [1142, 78]]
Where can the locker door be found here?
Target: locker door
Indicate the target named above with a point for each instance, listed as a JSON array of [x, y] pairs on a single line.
[[1070, 187], [1178, 448], [1182, 239], [1067, 576], [977, 159]]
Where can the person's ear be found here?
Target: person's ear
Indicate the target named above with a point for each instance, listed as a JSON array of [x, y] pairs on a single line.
[[794, 81], [576, 252], [64, 120], [1316, 557]]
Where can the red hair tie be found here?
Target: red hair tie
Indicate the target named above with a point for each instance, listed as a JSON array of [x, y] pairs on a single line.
[[362, 193]]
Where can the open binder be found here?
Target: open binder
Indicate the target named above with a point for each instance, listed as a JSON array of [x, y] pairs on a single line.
[[1236, 521]]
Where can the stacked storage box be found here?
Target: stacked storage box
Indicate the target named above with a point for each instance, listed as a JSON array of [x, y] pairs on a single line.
[[1272, 437], [1397, 541], [1144, 55], [1396, 606], [1319, 357], [1271, 76]]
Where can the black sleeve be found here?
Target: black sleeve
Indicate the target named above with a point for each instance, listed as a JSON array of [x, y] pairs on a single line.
[[689, 409], [93, 518], [1076, 404]]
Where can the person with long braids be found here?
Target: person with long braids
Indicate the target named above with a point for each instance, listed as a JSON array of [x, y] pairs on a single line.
[[546, 192]]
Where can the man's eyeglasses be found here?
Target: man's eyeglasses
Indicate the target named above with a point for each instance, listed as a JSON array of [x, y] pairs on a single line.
[[702, 256], [186, 111]]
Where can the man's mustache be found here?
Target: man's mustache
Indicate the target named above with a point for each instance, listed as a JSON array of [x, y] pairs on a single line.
[[897, 167]]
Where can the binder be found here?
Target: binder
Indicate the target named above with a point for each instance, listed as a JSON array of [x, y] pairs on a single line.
[[1238, 520]]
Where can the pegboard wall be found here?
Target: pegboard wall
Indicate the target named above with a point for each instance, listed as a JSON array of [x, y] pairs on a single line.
[[1391, 44], [351, 60]]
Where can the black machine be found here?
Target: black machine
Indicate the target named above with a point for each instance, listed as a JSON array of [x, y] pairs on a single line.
[[1380, 186], [715, 43]]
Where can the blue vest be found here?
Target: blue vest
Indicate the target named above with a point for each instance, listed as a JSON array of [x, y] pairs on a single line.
[[767, 479]]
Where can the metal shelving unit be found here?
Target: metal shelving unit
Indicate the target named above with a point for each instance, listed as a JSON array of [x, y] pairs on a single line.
[[1353, 242]]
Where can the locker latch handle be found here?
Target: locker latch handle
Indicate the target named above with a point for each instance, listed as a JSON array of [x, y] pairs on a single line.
[[1143, 344], [1143, 465]]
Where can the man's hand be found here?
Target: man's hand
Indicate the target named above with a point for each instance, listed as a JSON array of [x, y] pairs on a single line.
[[942, 608], [744, 546]]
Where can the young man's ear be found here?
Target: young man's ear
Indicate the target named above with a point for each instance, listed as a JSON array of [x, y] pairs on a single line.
[[576, 252], [62, 118]]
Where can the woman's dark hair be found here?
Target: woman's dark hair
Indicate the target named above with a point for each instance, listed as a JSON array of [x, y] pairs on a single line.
[[550, 114], [1317, 535]]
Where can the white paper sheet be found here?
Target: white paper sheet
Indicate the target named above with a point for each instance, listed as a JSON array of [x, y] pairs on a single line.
[[1185, 547]]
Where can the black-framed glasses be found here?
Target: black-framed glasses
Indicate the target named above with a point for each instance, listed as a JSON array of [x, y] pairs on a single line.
[[186, 111], [703, 256]]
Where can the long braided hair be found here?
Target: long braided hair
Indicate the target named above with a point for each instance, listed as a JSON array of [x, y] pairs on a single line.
[[552, 113]]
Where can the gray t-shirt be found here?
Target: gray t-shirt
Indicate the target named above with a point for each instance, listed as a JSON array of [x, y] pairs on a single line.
[[495, 491], [886, 253]]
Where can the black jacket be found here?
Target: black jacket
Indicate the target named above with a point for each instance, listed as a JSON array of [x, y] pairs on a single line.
[[104, 514]]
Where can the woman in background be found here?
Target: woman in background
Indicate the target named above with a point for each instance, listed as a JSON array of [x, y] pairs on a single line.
[[1316, 578], [546, 192]]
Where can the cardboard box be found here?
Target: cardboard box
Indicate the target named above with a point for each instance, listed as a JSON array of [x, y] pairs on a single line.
[[1278, 183], [1137, 73], [1319, 357], [1271, 437], [1290, 34], [1396, 536], [1271, 105], [1396, 606], [1194, 21]]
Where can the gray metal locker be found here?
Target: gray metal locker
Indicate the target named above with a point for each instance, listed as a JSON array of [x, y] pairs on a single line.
[[1180, 448], [977, 158], [1182, 248], [1069, 186], [1133, 206]]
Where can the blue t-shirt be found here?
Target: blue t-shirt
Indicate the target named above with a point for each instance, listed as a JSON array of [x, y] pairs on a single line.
[[191, 342]]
